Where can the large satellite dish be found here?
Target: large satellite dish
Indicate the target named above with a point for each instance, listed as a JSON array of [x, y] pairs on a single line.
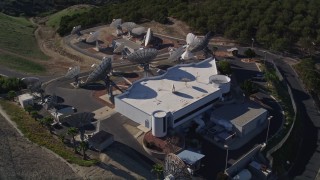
[[175, 167], [93, 37], [73, 72], [148, 37], [76, 30], [176, 54], [202, 44], [138, 31], [129, 25], [101, 71], [195, 44], [143, 57], [116, 23]]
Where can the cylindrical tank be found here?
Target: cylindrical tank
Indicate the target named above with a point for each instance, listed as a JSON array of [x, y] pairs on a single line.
[[159, 123], [222, 81]]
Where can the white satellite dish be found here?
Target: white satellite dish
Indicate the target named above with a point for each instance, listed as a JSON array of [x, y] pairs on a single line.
[[148, 37], [93, 37], [118, 49], [138, 30], [73, 71]]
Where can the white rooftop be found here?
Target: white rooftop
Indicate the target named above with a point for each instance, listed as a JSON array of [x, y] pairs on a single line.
[[190, 83], [241, 114]]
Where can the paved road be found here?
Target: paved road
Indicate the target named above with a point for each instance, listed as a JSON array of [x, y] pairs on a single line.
[[307, 164]]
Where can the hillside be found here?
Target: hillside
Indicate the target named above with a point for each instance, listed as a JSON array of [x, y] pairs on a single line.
[[35, 7], [18, 46], [274, 24], [54, 19]]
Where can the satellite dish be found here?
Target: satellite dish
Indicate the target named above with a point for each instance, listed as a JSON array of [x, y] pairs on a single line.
[[119, 48], [76, 30], [73, 71], [129, 25], [176, 54], [93, 37], [143, 57], [202, 44], [116, 23], [138, 31], [148, 37], [101, 71]]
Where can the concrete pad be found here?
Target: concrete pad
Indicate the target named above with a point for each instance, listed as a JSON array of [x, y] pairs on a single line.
[[142, 128], [103, 112], [131, 129]]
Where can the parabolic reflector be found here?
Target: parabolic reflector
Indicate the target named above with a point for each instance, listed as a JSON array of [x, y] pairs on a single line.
[[143, 56], [115, 23], [129, 25], [176, 54], [72, 72], [138, 31], [148, 37], [202, 44], [101, 71], [93, 37], [76, 29]]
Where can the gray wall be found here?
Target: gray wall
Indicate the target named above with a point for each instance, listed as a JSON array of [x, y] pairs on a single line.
[[132, 113]]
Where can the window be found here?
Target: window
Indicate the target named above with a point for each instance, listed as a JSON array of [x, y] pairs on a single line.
[[164, 124]]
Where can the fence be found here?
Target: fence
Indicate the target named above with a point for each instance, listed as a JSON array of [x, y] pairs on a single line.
[[284, 139]]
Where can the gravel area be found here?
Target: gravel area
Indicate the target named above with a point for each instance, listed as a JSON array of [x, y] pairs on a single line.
[[21, 159]]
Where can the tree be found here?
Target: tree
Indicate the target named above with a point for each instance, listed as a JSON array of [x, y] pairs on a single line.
[[271, 76], [73, 131], [28, 108], [34, 114], [47, 121], [248, 87], [84, 146], [250, 53], [11, 94], [224, 67], [157, 169]]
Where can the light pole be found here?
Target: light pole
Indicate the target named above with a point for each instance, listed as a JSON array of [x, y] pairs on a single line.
[[252, 43], [227, 148], [265, 57], [269, 118]]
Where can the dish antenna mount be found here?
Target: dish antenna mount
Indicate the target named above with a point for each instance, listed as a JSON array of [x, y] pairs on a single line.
[[103, 72], [143, 57]]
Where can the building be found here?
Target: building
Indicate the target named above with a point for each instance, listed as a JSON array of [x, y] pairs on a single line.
[[125, 45], [25, 100], [191, 159], [244, 117], [173, 98]]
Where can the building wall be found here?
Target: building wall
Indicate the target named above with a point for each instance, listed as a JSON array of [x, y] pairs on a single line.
[[193, 106], [133, 113], [257, 122]]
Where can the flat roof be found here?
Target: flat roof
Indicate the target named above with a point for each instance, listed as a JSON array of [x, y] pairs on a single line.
[[128, 43], [190, 83], [190, 157], [238, 114]]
